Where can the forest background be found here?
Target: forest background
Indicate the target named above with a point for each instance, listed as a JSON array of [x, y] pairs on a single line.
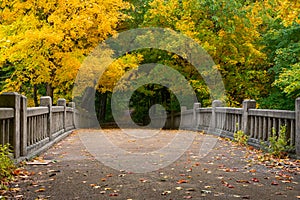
[[255, 45]]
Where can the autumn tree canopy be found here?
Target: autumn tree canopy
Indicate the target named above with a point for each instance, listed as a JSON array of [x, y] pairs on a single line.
[[44, 42], [255, 45]]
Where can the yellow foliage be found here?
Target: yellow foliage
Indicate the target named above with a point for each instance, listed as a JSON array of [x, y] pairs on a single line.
[[45, 41], [116, 70]]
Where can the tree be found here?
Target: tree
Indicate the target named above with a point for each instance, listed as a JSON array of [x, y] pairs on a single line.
[[229, 33], [281, 38], [44, 42], [289, 81]]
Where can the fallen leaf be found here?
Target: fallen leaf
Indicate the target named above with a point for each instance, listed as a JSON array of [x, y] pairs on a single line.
[[246, 197], [227, 184], [255, 180], [190, 189], [166, 192], [205, 191], [274, 183], [242, 181], [182, 181], [39, 162], [143, 180], [15, 189], [278, 193], [40, 190]]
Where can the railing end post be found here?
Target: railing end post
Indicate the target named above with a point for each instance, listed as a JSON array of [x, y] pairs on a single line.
[[247, 104], [46, 101], [195, 121], [62, 102], [297, 120]]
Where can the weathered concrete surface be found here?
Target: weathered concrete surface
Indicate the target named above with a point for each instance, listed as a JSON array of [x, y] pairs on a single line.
[[224, 173]]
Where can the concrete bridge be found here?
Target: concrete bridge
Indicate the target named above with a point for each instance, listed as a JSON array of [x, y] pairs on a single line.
[[147, 163], [31, 130]]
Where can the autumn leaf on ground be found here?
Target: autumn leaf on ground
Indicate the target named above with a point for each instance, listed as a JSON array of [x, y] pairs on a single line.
[[40, 190], [182, 181], [242, 181], [227, 184], [113, 194], [255, 180], [274, 183], [190, 189], [166, 192], [143, 180], [15, 189]]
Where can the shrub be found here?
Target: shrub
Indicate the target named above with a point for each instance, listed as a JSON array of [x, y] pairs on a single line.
[[278, 145], [7, 166], [240, 137]]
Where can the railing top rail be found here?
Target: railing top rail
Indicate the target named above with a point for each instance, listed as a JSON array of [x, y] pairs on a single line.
[[185, 112], [58, 108], [283, 114], [35, 111], [204, 110], [6, 113], [68, 109], [229, 110]]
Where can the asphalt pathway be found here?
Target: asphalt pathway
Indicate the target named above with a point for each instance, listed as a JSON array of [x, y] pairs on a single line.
[[143, 164]]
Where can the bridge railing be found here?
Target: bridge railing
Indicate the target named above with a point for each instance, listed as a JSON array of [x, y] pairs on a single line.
[[30, 130], [225, 121]]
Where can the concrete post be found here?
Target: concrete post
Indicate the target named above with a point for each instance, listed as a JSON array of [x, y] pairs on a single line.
[[247, 104], [23, 125], [62, 102], [195, 119], [46, 101], [172, 119], [183, 121], [12, 100], [213, 121], [72, 105], [297, 112]]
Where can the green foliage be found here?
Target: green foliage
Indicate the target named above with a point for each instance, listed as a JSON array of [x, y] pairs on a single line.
[[278, 144], [6, 165], [277, 100], [282, 46], [228, 31], [240, 137], [289, 80]]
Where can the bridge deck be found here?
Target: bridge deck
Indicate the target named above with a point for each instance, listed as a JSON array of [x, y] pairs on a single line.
[[147, 164]]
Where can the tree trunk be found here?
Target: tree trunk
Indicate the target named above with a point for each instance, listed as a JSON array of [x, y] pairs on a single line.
[[102, 107], [49, 90], [35, 96]]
